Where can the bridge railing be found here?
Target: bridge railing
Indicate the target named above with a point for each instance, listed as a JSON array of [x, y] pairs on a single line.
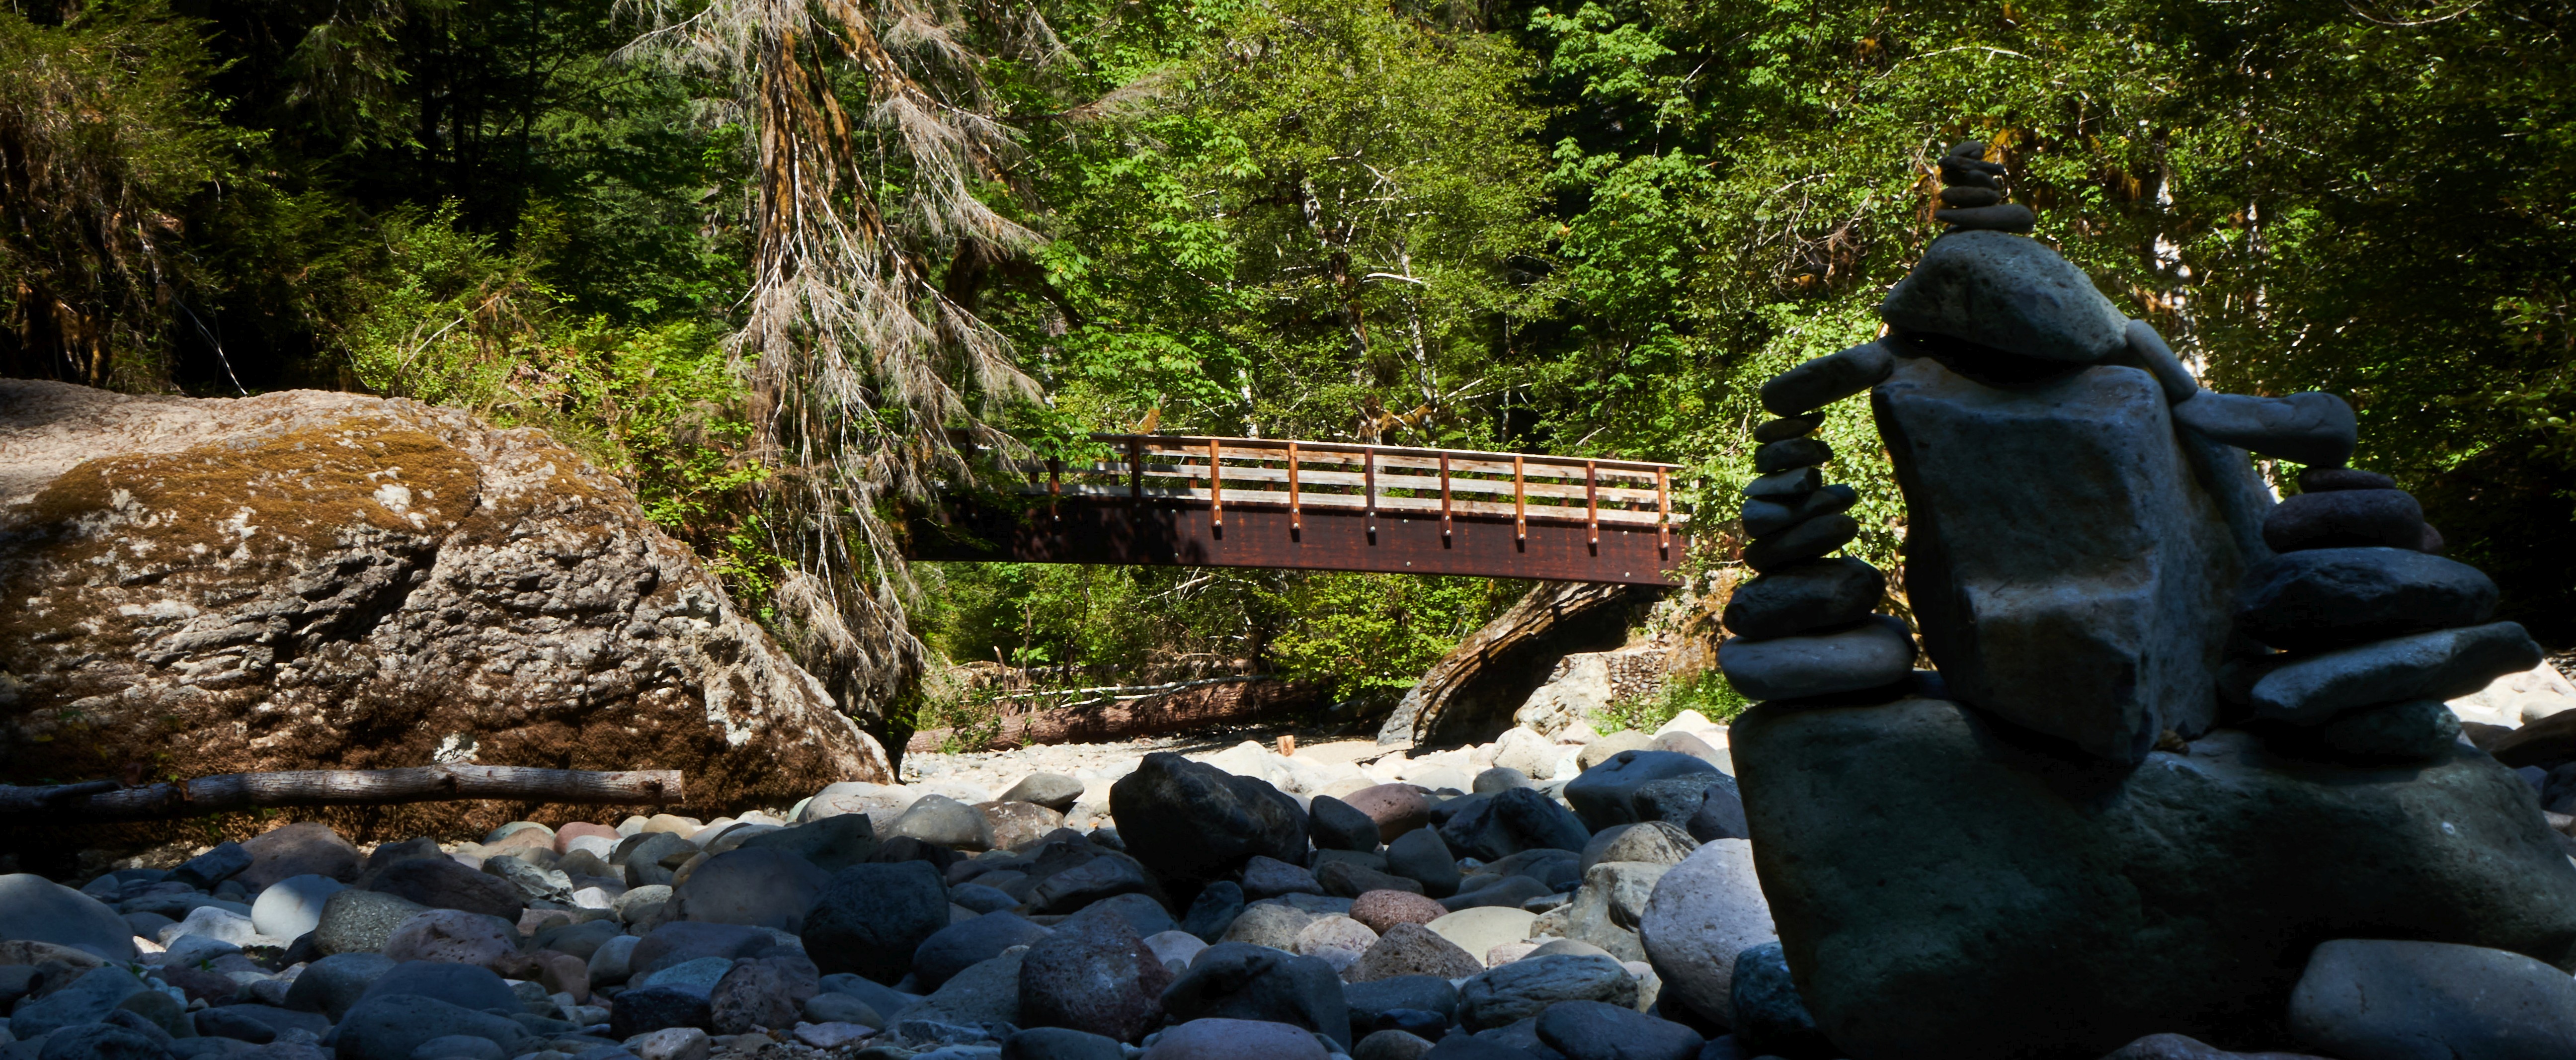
[[1296, 475]]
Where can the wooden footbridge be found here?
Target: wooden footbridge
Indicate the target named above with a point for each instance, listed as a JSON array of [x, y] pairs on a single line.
[[1253, 502]]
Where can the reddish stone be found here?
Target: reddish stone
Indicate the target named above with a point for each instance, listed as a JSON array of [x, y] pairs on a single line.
[[1381, 910], [566, 834], [1397, 808]]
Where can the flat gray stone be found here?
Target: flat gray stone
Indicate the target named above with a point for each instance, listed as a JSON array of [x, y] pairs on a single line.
[[1787, 485], [2330, 597], [2307, 428], [2068, 568], [1703, 912], [2445, 664], [2351, 518], [946, 822], [1524, 988], [1820, 382], [1055, 791], [1765, 517], [2013, 294], [1872, 653], [2380, 999], [1793, 452], [1997, 217], [334, 984], [2413, 731], [1808, 540], [2029, 901], [2146, 350], [1802, 597]]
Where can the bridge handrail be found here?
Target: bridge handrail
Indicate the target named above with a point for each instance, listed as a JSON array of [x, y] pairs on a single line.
[[1577, 494]]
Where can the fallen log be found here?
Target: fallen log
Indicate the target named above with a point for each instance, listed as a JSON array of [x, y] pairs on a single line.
[[107, 800]]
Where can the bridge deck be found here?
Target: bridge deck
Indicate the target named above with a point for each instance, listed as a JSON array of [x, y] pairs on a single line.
[[1243, 502]]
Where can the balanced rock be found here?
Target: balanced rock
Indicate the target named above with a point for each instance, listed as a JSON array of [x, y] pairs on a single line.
[[1871, 653], [1764, 517], [2309, 428], [2329, 597], [2031, 901], [2066, 564], [2346, 519], [1806, 596], [2015, 295], [2310, 689], [1815, 384]]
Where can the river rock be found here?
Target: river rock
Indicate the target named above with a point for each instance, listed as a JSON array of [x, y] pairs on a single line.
[[1872, 653], [1650, 842], [1347, 880], [2012, 294], [1105, 874], [1423, 857], [1801, 543], [984, 994], [1792, 452], [870, 918], [967, 943], [1235, 980], [1336, 825], [1191, 823], [1522, 989], [1478, 931], [2412, 731], [755, 886], [2378, 999], [1060, 1043], [1785, 487], [1372, 1002], [2030, 901], [1507, 823], [87, 1000], [290, 907], [2311, 689], [1764, 516], [1265, 877], [2346, 519], [682, 941], [1397, 808], [758, 993], [829, 844], [2331, 597], [1605, 794], [334, 983], [454, 937], [1214, 910], [643, 1010], [462, 985], [1410, 949], [442, 883], [1055, 791], [1336, 940], [399, 547], [2000, 217], [1272, 924], [35, 908], [1381, 910], [1702, 913], [1820, 382], [356, 921], [1770, 1017], [2306, 428], [392, 1026], [1805, 596], [2067, 566], [1218, 1038], [946, 822], [1592, 1030]]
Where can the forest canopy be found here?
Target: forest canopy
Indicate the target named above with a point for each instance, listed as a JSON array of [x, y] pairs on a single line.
[[789, 267]]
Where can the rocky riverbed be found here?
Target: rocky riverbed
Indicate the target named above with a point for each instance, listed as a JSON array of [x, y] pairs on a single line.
[[1580, 897]]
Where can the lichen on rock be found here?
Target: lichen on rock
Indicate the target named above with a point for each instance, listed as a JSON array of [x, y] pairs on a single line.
[[325, 580]]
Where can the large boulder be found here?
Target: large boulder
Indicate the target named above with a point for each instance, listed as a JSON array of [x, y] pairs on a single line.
[[2072, 566], [2031, 901], [309, 580], [759, 886], [1190, 822]]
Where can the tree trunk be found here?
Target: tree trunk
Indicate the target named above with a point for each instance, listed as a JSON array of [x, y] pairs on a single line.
[[1470, 694], [107, 801]]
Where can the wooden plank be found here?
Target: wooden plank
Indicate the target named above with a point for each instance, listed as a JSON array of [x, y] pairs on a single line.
[[1429, 505], [1164, 533]]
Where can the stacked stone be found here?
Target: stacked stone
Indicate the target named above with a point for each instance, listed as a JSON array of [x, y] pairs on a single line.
[[2374, 630], [1973, 197], [1805, 627]]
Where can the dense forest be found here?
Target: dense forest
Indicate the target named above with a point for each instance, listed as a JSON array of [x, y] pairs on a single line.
[[788, 266]]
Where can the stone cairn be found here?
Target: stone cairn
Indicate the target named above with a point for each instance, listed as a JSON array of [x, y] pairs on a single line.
[[2184, 764]]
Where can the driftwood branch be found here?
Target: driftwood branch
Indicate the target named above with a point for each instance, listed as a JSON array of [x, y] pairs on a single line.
[[106, 800]]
